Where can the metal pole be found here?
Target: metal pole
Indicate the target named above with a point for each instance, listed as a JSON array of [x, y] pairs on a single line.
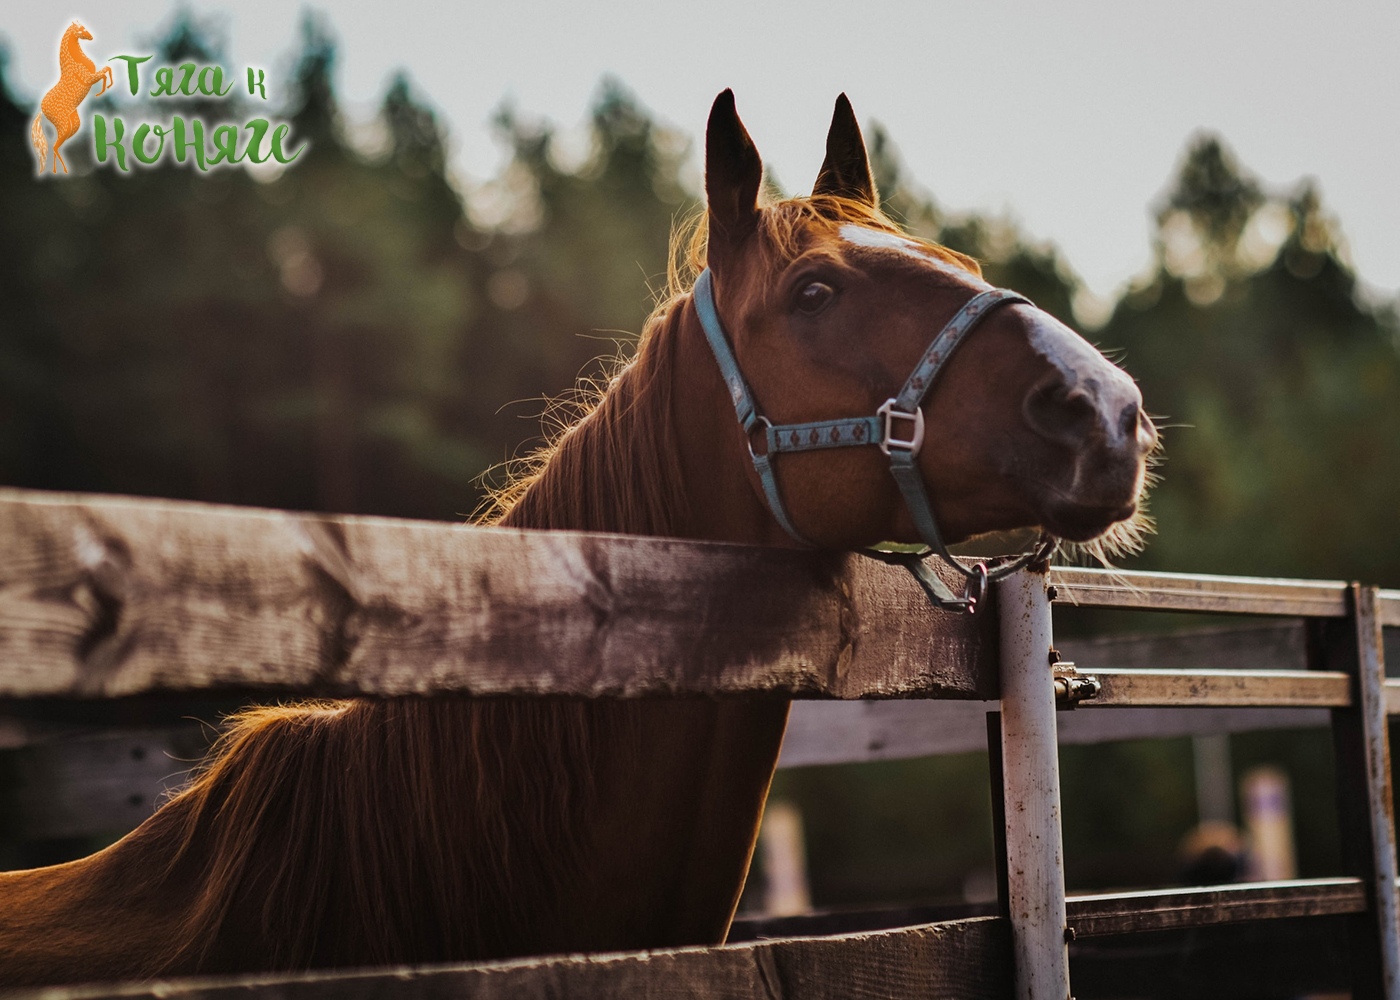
[[1035, 862]]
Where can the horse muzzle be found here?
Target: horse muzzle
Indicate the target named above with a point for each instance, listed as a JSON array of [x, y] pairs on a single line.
[[1090, 419]]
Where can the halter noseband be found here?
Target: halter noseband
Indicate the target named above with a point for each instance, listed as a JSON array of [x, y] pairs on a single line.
[[897, 429]]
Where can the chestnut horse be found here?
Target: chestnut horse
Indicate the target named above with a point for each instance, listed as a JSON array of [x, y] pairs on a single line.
[[405, 831]]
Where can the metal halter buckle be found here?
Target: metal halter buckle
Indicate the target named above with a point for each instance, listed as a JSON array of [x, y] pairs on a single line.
[[888, 414]]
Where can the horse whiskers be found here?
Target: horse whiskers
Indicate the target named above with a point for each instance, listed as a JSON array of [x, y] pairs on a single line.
[[1123, 538]]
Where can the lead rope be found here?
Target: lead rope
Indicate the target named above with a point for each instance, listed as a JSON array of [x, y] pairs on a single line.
[[878, 430]]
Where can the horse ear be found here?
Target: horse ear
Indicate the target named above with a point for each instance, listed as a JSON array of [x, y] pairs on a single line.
[[846, 169], [733, 172]]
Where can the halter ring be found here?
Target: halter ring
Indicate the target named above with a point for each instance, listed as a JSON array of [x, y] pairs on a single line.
[[888, 414], [767, 426], [976, 590]]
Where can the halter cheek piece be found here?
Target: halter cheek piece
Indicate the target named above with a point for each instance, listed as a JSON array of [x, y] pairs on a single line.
[[896, 428]]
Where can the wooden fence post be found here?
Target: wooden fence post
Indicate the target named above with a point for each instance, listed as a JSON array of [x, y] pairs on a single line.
[[1366, 813], [1035, 863]]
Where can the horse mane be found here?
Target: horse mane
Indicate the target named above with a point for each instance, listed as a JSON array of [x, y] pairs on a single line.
[[390, 831], [611, 462]]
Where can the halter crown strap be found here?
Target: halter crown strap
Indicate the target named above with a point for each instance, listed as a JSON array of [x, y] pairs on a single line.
[[897, 428], [742, 397]]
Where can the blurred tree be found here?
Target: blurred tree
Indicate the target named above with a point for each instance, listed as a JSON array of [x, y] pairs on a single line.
[[37, 444], [1280, 386], [579, 249]]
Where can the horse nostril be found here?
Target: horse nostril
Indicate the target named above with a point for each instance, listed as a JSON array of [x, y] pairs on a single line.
[[1060, 413], [1129, 421], [1136, 428], [1146, 432]]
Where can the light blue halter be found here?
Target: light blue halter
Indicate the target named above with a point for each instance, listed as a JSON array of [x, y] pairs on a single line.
[[900, 414]]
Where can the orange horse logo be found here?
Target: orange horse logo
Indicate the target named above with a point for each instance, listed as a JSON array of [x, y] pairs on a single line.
[[77, 74]]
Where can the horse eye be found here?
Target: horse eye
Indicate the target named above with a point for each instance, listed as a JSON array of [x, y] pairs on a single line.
[[815, 296]]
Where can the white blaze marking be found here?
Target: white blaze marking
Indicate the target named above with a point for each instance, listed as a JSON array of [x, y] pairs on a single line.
[[1074, 356], [881, 240], [878, 239]]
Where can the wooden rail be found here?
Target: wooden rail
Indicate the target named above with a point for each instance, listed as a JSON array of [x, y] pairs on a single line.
[[964, 959], [1226, 595], [1222, 688], [103, 597], [108, 775], [1101, 914], [1389, 607]]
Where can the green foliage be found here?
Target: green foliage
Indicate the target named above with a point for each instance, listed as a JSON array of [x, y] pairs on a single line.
[[1279, 386], [339, 336]]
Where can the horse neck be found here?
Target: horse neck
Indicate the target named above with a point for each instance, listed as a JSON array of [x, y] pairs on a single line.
[[72, 52], [661, 454]]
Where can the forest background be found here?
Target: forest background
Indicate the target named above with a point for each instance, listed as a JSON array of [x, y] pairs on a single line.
[[360, 334]]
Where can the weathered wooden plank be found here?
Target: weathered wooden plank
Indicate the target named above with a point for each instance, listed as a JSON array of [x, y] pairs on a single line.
[[1240, 595], [852, 732], [1356, 729], [107, 783], [68, 781], [1165, 909], [965, 959], [103, 597], [1240, 645], [1254, 960], [95, 784], [1221, 688], [832, 733], [1388, 607]]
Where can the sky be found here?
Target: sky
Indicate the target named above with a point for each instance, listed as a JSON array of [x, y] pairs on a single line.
[[1068, 117]]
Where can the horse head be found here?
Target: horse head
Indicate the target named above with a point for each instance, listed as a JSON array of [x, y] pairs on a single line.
[[830, 307], [80, 30]]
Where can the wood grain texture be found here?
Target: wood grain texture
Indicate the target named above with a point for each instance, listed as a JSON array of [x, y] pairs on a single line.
[[1100, 914], [1388, 609], [838, 733], [1220, 688], [102, 784], [964, 959], [1336, 645], [1239, 595], [821, 732], [103, 597], [68, 780]]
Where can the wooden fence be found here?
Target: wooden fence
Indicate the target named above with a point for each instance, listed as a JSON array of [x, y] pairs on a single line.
[[115, 602]]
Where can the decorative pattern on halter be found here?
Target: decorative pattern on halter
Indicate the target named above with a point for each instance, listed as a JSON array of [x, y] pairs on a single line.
[[897, 429]]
